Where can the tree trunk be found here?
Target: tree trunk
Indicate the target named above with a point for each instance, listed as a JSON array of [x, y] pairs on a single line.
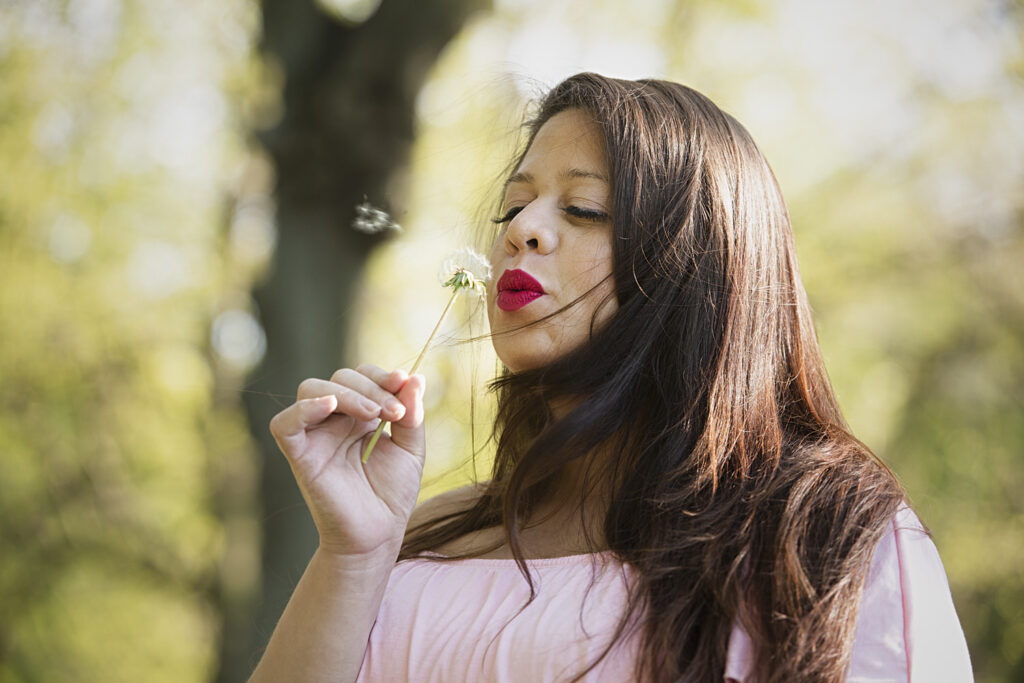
[[347, 126]]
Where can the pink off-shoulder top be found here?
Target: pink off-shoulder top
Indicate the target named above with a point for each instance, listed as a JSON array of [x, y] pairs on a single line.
[[464, 620]]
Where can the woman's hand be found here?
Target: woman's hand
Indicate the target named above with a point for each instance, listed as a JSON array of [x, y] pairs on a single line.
[[359, 509]]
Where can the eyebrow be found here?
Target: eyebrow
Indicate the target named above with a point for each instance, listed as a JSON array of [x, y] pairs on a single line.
[[521, 177]]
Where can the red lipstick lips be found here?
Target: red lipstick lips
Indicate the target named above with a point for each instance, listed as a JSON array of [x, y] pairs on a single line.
[[516, 289]]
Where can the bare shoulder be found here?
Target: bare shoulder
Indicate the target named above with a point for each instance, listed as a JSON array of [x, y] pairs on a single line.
[[446, 503]]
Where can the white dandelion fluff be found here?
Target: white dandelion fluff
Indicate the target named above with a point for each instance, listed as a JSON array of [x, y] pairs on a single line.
[[465, 268], [371, 220]]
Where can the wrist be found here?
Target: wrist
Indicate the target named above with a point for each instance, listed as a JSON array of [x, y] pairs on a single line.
[[370, 542], [345, 561]]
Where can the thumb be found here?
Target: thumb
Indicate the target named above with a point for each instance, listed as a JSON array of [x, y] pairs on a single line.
[[408, 433]]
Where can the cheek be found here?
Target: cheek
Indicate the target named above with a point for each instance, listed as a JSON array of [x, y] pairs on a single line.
[[599, 277], [491, 297], [594, 261], [495, 258], [498, 246]]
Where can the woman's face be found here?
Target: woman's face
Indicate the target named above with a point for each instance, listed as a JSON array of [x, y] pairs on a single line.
[[555, 244]]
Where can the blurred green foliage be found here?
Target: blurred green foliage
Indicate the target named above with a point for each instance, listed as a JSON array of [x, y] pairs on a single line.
[[134, 220], [120, 150]]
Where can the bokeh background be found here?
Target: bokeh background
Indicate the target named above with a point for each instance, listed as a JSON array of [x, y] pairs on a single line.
[[178, 184]]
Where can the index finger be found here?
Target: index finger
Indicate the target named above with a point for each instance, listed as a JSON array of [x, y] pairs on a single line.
[[391, 381], [290, 425]]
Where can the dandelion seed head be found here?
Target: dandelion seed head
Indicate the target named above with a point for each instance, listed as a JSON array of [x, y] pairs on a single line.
[[466, 268]]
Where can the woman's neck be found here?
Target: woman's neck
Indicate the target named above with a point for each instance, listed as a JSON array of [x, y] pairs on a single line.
[[569, 520], [577, 501]]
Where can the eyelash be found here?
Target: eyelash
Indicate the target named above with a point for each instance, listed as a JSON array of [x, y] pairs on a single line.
[[575, 211]]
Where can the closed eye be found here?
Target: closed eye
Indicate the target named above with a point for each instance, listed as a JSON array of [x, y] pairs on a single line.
[[508, 216], [575, 211], [586, 214]]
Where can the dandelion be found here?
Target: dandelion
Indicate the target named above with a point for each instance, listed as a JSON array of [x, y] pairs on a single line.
[[371, 220], [462, 269], [465, 268]]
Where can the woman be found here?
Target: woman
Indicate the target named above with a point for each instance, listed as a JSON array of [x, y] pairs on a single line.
[[675, 494]]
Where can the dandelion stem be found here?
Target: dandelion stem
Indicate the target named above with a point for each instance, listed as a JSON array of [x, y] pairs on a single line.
[[444, 314], [415, 366]]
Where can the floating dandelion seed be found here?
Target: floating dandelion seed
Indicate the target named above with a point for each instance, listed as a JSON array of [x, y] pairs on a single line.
[[371, 220], [462, 269]]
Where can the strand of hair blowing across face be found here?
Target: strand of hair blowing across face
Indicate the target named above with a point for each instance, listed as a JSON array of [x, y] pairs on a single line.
[[740, 494]]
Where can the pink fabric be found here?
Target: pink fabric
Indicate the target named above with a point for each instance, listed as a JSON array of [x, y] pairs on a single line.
[[461, 620], [907, 629]]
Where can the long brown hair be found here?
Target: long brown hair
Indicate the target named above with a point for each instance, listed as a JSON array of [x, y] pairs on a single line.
[[739, 494]]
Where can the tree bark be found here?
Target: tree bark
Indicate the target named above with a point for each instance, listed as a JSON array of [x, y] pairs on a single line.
[[347, 126]]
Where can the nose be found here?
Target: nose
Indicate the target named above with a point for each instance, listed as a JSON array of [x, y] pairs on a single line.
[[534, 227]]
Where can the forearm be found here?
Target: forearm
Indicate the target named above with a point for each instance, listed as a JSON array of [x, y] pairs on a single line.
[[323, 632]]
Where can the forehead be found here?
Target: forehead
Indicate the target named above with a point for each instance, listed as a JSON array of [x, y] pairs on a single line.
[[569, 144]]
